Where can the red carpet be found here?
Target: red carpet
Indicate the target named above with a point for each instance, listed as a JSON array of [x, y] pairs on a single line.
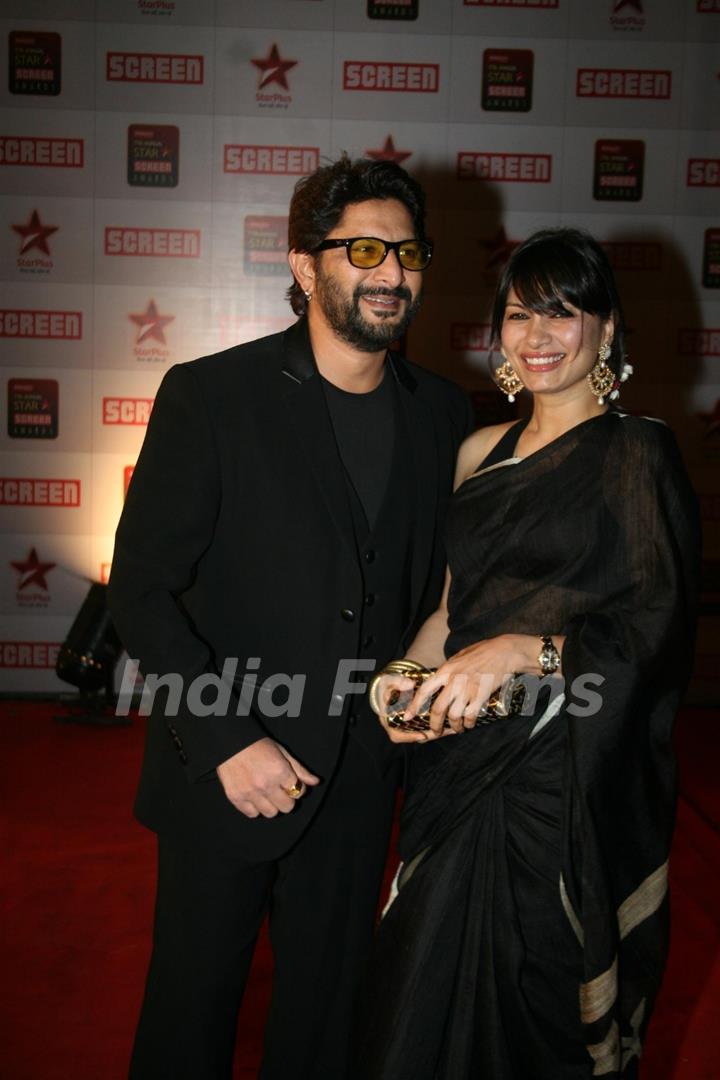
[[77, 906]]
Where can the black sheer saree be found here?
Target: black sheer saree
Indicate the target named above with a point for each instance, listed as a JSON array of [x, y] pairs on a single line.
[[528, 937]]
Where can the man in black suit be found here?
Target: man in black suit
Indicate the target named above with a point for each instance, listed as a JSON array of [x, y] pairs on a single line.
[[281, 530]]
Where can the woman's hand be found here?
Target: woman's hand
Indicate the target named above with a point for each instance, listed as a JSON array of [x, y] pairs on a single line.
[[386, 685], [468, 679]]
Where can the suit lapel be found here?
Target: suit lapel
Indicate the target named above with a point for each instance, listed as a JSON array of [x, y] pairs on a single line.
[[310, 419]]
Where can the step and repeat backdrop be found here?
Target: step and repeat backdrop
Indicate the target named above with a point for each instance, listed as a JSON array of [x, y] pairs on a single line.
[[148, 151]]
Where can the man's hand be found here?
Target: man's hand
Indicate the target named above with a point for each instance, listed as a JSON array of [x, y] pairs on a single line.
[[256, 781]]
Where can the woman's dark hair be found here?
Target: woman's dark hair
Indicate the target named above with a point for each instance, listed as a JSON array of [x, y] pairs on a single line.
[[557, 266], [319, 200]]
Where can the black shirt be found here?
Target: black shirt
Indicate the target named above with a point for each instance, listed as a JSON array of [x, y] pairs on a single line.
[[364, 431]]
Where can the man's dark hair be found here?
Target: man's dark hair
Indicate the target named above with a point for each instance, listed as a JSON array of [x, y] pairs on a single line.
[[319, 200], [556, 265]]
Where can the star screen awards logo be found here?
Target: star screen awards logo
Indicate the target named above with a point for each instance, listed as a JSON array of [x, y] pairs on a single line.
[[273, 79], [627, 16], [150, 342], [389, 152], [711, 259], [504, 168], [153, 155], [703, 172], [43, 325], [696, 342], [266, 245], [623, 83], [619, 168], [34, 63], [34, 255], [176, 68], [41, 152], [270, 160], [32, 589], [32, 408], [507, 80], [394, 11], [152, 243], [391, 77], [126, 412]]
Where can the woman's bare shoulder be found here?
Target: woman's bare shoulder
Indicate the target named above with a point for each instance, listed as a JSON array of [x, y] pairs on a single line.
[[476, 448]]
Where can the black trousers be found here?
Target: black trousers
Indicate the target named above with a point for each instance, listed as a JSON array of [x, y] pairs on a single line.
[[321, 898]]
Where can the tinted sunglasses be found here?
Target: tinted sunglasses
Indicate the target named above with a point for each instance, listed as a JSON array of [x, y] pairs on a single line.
[[366, 252]]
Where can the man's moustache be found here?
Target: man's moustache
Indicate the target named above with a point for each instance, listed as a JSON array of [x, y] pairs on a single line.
[[401, 292]]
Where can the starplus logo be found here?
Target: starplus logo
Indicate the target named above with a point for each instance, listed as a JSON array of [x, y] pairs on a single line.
[[151, 328], [273, 69], [34, 237], [32, 588], [627, 15], [387, 152]]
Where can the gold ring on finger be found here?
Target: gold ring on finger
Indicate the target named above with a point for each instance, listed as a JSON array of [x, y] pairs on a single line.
[[296, 790]]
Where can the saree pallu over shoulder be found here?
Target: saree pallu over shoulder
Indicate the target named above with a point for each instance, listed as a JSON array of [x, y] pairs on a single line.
[[529, 940]]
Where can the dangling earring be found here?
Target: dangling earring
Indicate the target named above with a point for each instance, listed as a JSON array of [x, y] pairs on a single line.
[[508, 381], [308, 296], [602, 378]]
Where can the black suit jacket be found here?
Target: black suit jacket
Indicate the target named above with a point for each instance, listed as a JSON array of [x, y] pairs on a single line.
[[237, 540]]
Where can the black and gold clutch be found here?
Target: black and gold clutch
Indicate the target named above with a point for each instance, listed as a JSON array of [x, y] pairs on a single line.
[[506, 700]]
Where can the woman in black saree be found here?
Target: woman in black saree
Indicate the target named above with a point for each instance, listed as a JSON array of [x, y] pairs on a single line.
[[529, 931]]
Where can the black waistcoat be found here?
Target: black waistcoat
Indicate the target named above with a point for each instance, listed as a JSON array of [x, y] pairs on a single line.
[[385, 557]]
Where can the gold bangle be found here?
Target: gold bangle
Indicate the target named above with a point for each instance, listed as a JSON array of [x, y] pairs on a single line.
[[395, 667]]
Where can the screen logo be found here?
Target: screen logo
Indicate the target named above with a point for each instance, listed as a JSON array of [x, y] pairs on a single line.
[[155, 68], [126, 412], [504, 168], [32, 491], [388, 77], [623, 83], [270, 160], [53, 325], [40, 152], [703, 172], [703, 342], [152, 243]]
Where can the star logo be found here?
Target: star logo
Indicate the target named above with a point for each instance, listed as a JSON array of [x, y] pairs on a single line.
[[151, 324], [273, 69], [387, 152], [33, 571], [34, 235], [712, 420], [499, 249], [620, 5]]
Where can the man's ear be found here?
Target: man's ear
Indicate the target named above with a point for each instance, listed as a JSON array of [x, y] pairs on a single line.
[[302, 264]]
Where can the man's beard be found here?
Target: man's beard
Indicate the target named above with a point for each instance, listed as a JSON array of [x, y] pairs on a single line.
[[344, 316]]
